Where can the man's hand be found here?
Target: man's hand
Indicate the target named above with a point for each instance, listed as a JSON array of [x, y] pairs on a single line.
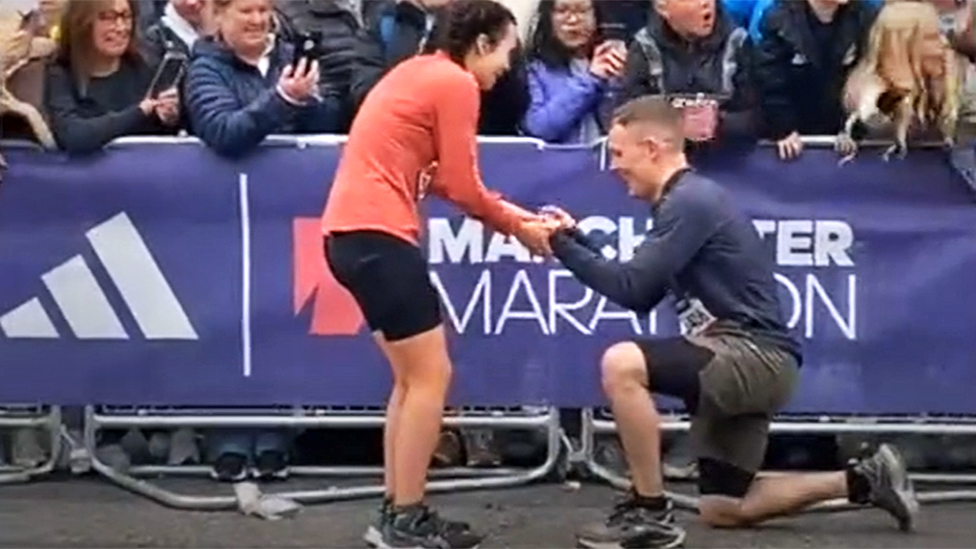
[[559, 215], [790, 146]]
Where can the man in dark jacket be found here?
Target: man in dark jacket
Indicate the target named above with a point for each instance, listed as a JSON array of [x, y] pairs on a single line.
[[182, 23], [807, 50], [687, 50], [339, 24], [396, 30]]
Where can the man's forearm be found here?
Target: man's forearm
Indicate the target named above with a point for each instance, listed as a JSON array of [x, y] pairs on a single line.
[[620, 283]]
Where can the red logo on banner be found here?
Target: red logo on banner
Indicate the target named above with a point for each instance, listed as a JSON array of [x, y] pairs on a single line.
[[334, 311]]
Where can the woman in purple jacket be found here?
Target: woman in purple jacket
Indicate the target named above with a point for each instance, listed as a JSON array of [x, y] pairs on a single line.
[[574, 64]]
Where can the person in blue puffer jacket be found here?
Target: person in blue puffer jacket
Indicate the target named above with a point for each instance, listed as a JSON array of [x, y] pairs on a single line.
[[572, 73], [241, 87]]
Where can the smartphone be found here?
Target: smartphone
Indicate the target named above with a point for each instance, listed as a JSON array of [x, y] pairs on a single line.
[[614, 31], [168, 74], [307, 46]]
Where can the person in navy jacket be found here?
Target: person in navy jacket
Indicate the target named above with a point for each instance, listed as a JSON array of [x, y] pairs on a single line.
[[241, 87]]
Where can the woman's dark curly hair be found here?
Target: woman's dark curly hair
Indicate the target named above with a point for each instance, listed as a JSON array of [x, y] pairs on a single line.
[[460, 23], [543, 44]]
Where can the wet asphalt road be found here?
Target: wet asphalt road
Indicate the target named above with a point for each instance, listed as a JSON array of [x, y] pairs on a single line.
[[91, 513]]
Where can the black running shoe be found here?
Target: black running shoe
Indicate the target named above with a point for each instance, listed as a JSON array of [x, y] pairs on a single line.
[[230, 467], [271, 465], [631, 526]]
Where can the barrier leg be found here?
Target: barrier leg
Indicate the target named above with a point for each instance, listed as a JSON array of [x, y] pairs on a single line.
[[19, 419], [486, 479], [593, 426]]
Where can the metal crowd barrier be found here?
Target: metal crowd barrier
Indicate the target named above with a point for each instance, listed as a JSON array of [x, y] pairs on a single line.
[[559, 451], [98, 418], [47, 418]]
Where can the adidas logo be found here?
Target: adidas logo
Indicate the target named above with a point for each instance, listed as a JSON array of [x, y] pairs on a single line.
[[85, 307]]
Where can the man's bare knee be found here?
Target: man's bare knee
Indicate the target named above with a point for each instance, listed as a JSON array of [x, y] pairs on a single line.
[[622, 367], [723, 512]]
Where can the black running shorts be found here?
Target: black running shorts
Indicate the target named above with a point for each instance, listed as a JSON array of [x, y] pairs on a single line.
[[388, 278]]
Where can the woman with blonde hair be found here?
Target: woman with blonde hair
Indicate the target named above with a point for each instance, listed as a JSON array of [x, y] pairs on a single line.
[[909, 76], [97, 88]]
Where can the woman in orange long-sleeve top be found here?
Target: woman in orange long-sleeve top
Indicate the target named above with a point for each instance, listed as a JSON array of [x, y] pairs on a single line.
[[416, 133]]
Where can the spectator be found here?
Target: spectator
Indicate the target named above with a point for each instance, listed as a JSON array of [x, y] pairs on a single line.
[[630, 15], [806, 54], [958, 17], [572, 73], [339, 26], [398, 29], [96, 89], [740, 11], [23, 55], [149, 13], [240, 86], [51, 12], [761, 6], [688, 48], [395, 30], [182, 24], [236, 452]]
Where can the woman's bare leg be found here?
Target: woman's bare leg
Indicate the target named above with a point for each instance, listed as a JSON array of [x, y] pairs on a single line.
[[424, 368], [393, 406]]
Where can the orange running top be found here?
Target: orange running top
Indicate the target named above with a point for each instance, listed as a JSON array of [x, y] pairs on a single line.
[[416, 131]]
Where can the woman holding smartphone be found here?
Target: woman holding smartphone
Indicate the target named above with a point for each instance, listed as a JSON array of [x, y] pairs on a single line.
[[422, 114], [96, 89], [243, 83], [574, 69]]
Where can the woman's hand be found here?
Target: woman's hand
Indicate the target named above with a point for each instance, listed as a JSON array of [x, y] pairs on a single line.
[[167, 107], [299, 84]]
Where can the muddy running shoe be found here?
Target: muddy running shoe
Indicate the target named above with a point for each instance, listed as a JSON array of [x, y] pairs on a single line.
[[374, 532], [419, 527], [632, 526], [885, 477]]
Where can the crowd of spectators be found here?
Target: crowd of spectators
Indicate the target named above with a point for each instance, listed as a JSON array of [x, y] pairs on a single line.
[[743, 69], [749, 69]]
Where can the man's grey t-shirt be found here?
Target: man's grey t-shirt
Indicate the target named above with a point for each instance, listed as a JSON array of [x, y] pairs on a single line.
[[701, 246]]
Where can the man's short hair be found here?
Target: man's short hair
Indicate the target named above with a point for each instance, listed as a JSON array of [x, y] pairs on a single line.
[[657, 114]]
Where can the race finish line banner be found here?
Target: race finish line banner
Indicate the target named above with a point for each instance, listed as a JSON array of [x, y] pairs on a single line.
[[158, 274]]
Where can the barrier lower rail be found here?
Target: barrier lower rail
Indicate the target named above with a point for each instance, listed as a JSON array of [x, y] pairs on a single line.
[[596, 422], [46, 418], [95, 420]]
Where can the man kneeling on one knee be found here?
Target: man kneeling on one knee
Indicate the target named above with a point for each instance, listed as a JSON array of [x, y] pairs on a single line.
[[735, 365]]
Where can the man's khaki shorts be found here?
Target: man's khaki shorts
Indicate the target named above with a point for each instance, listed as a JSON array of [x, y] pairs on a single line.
[[732, 386]]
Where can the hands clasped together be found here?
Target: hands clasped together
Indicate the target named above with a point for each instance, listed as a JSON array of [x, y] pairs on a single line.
[[536, 229]]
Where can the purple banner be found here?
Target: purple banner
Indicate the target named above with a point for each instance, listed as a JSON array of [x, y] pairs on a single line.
[[160, 274]]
